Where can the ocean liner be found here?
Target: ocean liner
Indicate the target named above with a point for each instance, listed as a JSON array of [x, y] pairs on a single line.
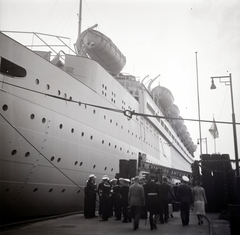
[[64, 116]]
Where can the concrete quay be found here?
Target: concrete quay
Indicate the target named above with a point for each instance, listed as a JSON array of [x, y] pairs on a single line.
[[78, 225]]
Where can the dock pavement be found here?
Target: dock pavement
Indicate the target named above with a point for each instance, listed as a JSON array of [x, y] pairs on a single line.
[[78, 225]]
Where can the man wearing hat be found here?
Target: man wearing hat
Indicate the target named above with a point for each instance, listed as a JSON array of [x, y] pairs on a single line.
[[90, 197], [184, 196], [124, 200], [116, 199], [136, 200], [152, 194], [165, 192]]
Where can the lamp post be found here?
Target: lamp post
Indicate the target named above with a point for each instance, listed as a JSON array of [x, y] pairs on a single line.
[[229, 83], [203, 139]]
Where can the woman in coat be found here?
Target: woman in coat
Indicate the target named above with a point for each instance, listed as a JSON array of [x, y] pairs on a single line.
[[200, 200]]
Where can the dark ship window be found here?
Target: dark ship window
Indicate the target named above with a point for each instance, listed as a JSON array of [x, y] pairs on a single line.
[[59, 159], [80, 163], [52, 158], [94, 166], [5, 107], [63, 191], [48, 86], [35, 190], [76, 163], [105, 168], [43, 120], [50, 190], [27, 154], [112, 169], [91, 137], [72, 130], [10, 69], [60, 126], [78, 191], [59, 92], [14, 152], [37, 81]]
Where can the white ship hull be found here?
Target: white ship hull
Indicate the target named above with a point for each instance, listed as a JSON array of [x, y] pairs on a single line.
[[49, 146]]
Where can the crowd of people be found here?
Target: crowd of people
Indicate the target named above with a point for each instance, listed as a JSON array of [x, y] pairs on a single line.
[[130, 200]]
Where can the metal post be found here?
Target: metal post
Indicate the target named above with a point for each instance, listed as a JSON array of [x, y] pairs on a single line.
[[234, 129], [233, 118]]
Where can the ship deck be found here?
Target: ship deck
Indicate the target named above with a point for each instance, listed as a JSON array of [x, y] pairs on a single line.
[[77, 224]]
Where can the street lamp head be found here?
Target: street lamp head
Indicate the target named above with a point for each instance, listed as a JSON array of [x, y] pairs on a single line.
[[213, 86]]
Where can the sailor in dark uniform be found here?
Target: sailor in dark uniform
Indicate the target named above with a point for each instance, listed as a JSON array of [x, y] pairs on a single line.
[[99, 191], [152, 202], [116, 199], [90, 198], [124, 196], [184, 196], [106, 198]]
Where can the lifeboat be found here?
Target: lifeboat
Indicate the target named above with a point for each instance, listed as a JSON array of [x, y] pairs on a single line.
[[164, 96], [174, 111], [101, 49], [179, 123]]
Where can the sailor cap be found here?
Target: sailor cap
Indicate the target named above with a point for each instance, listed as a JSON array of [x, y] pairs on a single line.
[[92, 176], [114, 179], [127, 180], [105, 178], [121, 179], [185, 178]]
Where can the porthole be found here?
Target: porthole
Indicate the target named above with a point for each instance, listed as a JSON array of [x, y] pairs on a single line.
[[32, 116], [94, 111], [52, 158], [65, 95], [105, 168], [116, 124], [35, 190], [43, 120], [37, 81], [120, 149], [80, 163], [70, 98], [27, 154], [76, 163], [14, 152], [109, 144], [112, 169], [115, 146], [102, 141], [105, 94], [63, 191], [72, 130], [61, 126], [102, 85], [50, 190], [78, 191], [104, 117], [91, 137], [105, 88], [94, 166], [48, 86], [59, 92], [110, 120], [82, 133], [102, 92], [5, 107], [7, 189], [59, 159]]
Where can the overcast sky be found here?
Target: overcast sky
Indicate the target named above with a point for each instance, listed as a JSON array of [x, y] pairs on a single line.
[[158, 37]]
